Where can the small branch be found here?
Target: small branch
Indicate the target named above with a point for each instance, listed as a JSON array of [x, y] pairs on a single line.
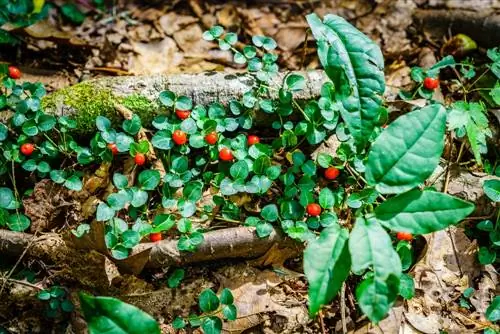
[[342, 309], [15, 281]]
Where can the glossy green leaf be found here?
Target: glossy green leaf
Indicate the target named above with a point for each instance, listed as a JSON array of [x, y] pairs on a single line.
[[376, 296], [226, 297], [212, 325], [208, 301], [326, 198], [18, 222], [73, 183], [492, 189], [120, 181], [175, 278], [371, 247], [355, 65], [229, 312], [407, 151], [149, 179], [6, 198], [264, 229], [133, 125], [493, 311], [270, 212], [421, 212], [239, 170], [111, 315], [104, 212], [326, 265], [406, 286]]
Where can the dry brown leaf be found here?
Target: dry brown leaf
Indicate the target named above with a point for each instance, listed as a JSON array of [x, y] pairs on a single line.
[[45, 30], [190, 39], [254, 297], [173, 22], [289, 39], [155, 58], [228, 17], [49, 206]]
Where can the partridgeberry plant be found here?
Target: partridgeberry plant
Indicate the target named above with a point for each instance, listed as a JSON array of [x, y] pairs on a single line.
[[357, 209]]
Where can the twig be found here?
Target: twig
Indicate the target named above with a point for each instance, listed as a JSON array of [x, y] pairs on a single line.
[[28, 284], [321, 322], [342, 309], [18, 261]]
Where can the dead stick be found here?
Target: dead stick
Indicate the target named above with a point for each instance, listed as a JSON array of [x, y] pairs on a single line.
[[236, 242]]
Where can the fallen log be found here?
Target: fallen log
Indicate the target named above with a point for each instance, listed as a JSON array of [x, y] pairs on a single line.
[[88, 99], [235, 242], [481, 26]]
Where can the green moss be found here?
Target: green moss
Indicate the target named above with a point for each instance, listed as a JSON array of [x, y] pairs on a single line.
[[87, 103], [141, 106]]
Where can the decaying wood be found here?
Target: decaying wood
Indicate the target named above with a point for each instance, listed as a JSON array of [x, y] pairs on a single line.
[[481, 26], [236, 242], [202, 88]]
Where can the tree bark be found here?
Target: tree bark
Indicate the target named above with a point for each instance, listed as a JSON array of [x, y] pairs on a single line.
[[236, 242]]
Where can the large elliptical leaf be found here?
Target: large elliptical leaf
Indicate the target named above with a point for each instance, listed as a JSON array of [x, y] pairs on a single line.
[[356, 66], [375, 296], [370, 247], [421, 212], [326, 264], [408, 151], [111, 315]]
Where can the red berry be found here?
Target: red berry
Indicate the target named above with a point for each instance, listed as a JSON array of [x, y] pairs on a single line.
[[14, 72], [313, 209], [27, 149], [331, 173], [179, 137], [113, 148], [253, 140], [404, 236], [154, 237], [140, 159], [211, 138], [384, 126], [431, 83], [182, 114], [225, 154]]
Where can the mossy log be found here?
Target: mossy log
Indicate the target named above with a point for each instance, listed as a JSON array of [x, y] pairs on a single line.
[[89, 99]]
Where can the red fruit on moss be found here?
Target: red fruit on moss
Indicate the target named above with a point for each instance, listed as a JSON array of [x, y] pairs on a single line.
[[431, 83], [113, 148], [404, 236], [179, 137], [331, 173], [253, 140], [313, 209], [140, 159], [226, 154], [182, 114], [211, 138], [14, 72], [27, 149], [154, 237]]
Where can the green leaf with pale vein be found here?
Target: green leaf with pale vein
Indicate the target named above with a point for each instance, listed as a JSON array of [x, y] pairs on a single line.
[[421, 212], [408, 151]]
